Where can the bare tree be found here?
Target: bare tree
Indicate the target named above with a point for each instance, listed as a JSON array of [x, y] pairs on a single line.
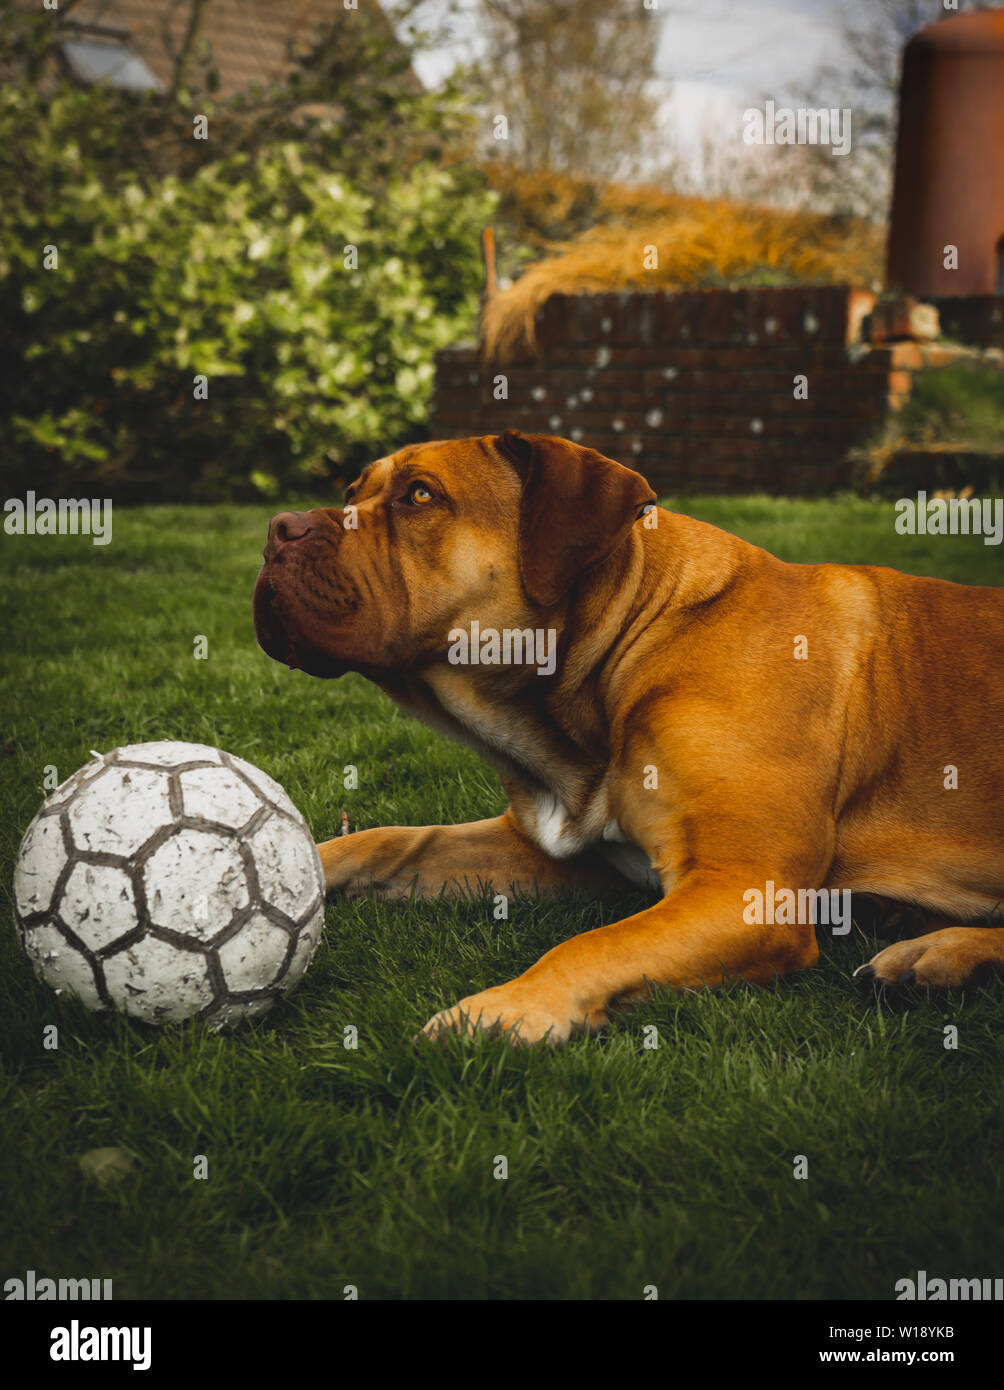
[[874, 38], [717, 165], [572, 78]]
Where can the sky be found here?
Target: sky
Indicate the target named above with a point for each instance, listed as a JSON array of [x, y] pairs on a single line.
[[716, 57], [721, 51], [726, 45]]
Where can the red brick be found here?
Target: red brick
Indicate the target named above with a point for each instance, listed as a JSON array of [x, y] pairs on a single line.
[[603, 443], [753, 358], [875, 361], [722, 317], [656, 384], [775, 320], [849, 381], [943, 356], [554, 323], [683, 317], [902, 317], [906, 355]]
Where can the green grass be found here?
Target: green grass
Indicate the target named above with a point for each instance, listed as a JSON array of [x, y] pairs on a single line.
[[374, 1167]]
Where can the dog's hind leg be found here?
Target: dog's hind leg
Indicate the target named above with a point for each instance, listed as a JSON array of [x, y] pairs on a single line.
[[949, 958]]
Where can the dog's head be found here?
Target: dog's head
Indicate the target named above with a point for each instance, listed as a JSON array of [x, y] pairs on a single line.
[[497, 530]]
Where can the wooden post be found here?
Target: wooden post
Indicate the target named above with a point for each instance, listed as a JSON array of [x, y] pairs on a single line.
[[488, 256]]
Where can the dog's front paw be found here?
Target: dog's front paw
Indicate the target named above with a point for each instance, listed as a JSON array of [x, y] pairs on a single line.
[[520, 1013], [944, 959]]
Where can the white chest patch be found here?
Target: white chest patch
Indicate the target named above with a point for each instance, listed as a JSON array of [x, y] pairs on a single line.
[[553, 823], [563, 833]]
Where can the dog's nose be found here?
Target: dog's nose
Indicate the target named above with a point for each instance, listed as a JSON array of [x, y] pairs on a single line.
[[284, 528]]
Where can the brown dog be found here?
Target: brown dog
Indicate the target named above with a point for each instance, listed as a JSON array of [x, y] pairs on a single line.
[[709, 719]]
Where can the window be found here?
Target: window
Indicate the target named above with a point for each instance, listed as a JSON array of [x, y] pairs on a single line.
[[108, 60]]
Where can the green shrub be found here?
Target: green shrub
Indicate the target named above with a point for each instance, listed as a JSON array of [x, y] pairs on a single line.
[[234, 269], [950, 433], [962, 404]]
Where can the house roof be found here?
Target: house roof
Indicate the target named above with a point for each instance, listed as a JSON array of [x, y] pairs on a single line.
[[249, 39]]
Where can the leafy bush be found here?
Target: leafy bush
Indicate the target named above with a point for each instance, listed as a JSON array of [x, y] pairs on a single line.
[[235, 269], [961, 404], [949, 433]]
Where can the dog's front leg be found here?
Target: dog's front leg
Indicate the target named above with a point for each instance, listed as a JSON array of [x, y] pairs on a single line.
[[695, 937], [392, 860]]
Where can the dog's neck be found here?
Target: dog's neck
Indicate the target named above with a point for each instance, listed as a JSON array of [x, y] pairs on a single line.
[[520, 721], [549, 735]]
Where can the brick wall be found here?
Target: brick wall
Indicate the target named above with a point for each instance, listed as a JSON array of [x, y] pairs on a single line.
[[697, 389]]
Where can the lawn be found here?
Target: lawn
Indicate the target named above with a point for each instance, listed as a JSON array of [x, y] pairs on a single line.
[[627, 1166]]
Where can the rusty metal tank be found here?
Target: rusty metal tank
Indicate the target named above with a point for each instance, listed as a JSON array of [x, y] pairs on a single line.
[[948, 187]]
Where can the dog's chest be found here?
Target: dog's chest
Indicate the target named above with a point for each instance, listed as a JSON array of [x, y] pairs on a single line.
[[562, 820], [561, 834], [559, 831]]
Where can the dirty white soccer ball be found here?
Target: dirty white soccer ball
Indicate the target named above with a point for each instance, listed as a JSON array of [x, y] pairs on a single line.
[[170, 879]]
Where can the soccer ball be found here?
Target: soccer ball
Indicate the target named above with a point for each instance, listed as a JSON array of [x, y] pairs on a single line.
[[169, 880]]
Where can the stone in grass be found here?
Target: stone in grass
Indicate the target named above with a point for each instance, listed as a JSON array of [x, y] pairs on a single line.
[[106, 1166]]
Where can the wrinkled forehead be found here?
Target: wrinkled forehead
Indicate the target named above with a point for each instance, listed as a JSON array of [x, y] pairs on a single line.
[[461, 466]]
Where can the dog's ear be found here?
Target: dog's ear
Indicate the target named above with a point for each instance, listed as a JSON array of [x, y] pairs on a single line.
[[576, 508]]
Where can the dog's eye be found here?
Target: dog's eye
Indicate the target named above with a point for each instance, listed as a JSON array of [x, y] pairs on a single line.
[[419, 493]]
